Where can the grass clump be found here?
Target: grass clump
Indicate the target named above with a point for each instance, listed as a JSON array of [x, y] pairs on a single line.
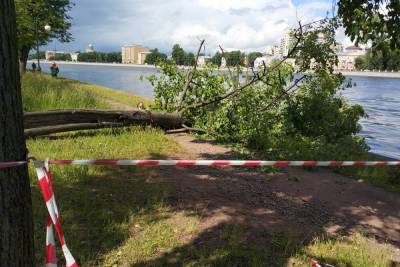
[[355, 251]]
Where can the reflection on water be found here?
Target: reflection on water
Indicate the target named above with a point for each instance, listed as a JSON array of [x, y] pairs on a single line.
[[380, 98]]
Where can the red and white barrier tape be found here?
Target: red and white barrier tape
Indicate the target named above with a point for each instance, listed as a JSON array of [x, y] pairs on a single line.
[[249, 163], [46, 185], [4, 165]]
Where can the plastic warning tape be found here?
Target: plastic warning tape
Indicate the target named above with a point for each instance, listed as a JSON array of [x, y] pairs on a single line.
[[4, 165], [249, 163], [46, 185]]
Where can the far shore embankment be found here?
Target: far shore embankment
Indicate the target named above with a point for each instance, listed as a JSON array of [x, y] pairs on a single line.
[[382, 74]]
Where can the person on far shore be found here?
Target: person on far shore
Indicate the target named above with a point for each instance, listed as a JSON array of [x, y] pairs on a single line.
[[34, 66], [54, 70]]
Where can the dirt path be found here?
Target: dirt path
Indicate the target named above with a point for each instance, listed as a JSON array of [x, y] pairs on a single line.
[[295, 201]]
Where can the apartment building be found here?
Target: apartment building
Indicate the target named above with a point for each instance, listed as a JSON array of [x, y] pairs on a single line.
[[134, 54]]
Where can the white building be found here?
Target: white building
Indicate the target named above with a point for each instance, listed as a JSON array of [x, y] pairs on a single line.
[[202, 60], [223, 62], [276, 51], [347, 59], [265, 60], [74, 56], [89, 48], [287, 42]]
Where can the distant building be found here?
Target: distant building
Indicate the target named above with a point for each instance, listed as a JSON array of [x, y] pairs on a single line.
[[202, 60], [223, 63], [347, 59], [89, 48], [268, 51], [134, 54], [287, 43], [265, 60], [74, 56], [355, 50], [276, 51], [338, 48], [51, 55]]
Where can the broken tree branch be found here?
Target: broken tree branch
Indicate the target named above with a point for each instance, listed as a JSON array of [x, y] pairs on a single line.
[[189, 77]]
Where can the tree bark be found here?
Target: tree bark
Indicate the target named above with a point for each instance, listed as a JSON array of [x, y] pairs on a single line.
[[41, 123], [23, 58], [16, 227]]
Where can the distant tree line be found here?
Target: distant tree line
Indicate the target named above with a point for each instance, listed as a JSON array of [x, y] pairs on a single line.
[[32, 56], [236, 58], [388, 59], [233, 58], [61, 57], [181, 57], [102, 57]]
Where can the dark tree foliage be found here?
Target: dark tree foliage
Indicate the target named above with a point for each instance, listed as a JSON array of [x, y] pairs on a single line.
[[102, 57], [189, 59], [154, 57], [217, 59], [389, 60], [372, 20], [32, 13], [252, 57], [178, 54], [42, 55], [235, 58], [61, 57]]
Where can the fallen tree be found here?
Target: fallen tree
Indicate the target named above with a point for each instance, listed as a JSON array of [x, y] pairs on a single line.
[[49, 122]]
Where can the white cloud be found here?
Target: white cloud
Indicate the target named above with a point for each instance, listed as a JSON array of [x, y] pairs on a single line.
[[235, 24]]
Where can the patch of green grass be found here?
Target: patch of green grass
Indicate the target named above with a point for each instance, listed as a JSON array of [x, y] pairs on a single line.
[[41, 92], [355, 251], [101, 205]]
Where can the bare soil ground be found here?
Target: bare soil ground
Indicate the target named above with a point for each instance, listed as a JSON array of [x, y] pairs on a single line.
[[296, 201]]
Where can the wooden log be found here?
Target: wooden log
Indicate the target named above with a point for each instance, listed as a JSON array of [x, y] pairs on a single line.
[[41, 123]]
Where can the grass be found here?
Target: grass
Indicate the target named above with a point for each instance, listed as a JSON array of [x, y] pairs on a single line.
[[124, 217], [41, 92], [355, 251]]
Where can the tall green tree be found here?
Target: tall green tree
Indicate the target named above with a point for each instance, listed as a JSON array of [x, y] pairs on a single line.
[[38, 13], [217, 59], [235, 58], [189, 59], [16, 226], [253, 56], [178, 54], [155, 56]]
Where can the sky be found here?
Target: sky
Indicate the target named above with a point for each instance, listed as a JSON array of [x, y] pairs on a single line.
[[248, 25]]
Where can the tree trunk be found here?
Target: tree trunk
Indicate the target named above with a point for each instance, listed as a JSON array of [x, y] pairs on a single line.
[[48, 122], [23, 58], [16, 227]]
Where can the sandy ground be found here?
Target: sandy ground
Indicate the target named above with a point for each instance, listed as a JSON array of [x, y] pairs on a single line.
[[296, 201]]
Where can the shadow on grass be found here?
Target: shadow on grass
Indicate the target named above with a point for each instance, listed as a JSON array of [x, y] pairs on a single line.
[[96, 210], [245, 219]]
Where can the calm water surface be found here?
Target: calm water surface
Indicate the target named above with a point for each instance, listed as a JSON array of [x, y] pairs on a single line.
[[379, 96]]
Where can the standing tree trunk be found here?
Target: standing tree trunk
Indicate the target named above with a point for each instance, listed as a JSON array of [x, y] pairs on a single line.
[[23, 58], [16, 227]]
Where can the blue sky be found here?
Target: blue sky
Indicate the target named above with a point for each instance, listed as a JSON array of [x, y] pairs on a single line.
[[235, 24]]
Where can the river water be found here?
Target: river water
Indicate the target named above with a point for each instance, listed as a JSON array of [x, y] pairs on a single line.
[[380, 98]]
